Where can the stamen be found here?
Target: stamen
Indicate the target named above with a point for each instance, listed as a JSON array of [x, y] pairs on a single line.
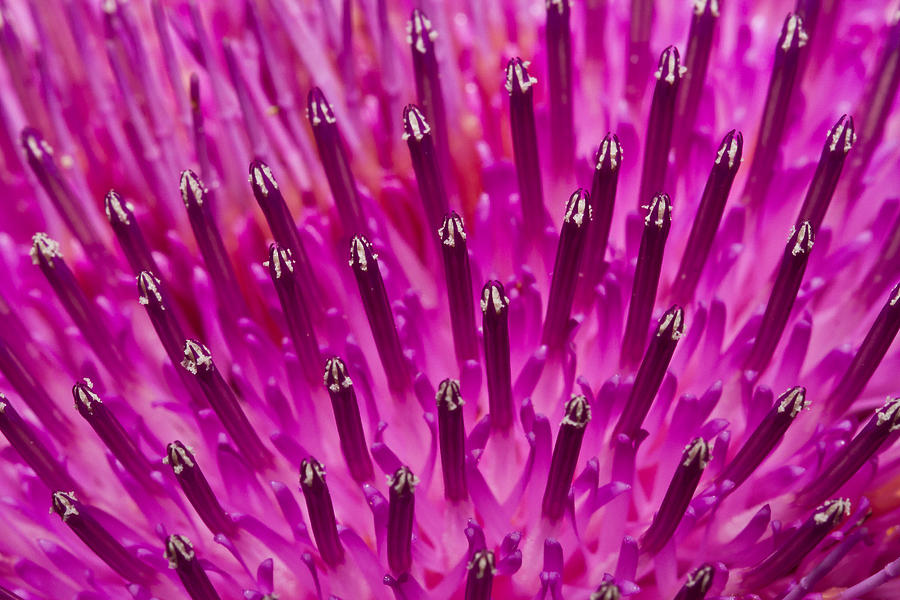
[[651, 372], [459, 287], [559, 88], [45, 253], [709, 215], [681, 489], [519, 84], [699, 582], [420, 36], [39, 155], [418, 136], [346, 416], [452, 438], [646, 277], [659, 125], [121, 217], [401, 508], [771, 128], [696, 60], [197, 489], [603, 198], [607, 590], [868, 357], [495, 324], [80, 520], [199, 131], [281, 223], [107, 427], [334, 161], [765, 437], [299, 324], [197, 200], [572, 237], [850, 458], [321, 511], [837, 144], [24, 441], [480, 579], [565, 457], [378, 310], [876, 102], [790, 552], [181, 556], [198, 362], [781, 300]]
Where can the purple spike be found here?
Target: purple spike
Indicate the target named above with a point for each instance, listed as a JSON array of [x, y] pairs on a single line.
[[199, 363], [196, 488], [765, 437], [181, 556], [565, 457], [784, 292], [698, 584], [876, 102], [775, 113], [519, 84], [657, 223], [321, 511], [791, 551], [709, 215], [572, 238], [480, 578], [495, 324], [452, 440], [850, 458], [837, 144], [420, 37], [651, 372], [334, 161], [17, 367], [107, 427], [281, 223], [459, 287], [346, 417], [80, 520], [418, 136], [401, 511], [299, 324], [121, 217], [659, 125], [378, 310], [608, 161], [65, 199], [45, 253], [608, 590], [197, 200], [696, 60], [559, 88], [681, 489], [24, 441], [868, 357]]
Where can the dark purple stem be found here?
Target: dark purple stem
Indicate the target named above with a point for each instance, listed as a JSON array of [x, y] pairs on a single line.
[[459, 287], [197, 489], [121, 217], [495, 324], [321, 511], [825, 180], [346, 416], [480, 578], [699, 582], [784, 292], [420, 37], [419, 140], [452, 440], [181, 556], [608, 161], [704, 17], [559, 87], [565, 457], [401, 511], [519, 84], [646, 278]]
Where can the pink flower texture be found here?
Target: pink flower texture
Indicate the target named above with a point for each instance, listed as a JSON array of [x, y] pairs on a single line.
[[668, 382]]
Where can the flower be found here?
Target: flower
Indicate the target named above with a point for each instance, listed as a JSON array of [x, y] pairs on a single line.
[[671, 384]]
